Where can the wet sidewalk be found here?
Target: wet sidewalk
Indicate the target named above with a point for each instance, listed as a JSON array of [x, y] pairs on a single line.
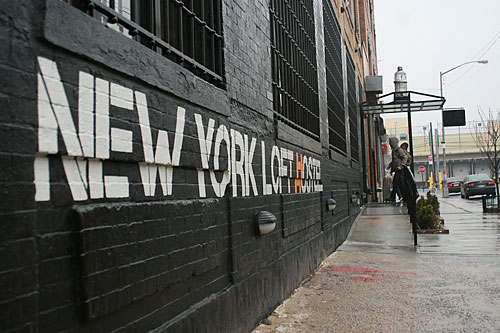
[[377, 281]]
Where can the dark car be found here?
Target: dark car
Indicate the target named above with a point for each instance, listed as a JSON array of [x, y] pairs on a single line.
[[454, 184], [479, 184]]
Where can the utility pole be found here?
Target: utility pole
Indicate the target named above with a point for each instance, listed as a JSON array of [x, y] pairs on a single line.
[[410, 139], [436, 142], [431, 144], [445, 182], [427, 171]]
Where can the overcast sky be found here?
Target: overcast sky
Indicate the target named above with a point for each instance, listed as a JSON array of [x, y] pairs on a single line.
[[427, 37]]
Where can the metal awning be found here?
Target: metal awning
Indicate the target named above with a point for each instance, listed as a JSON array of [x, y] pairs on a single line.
[[408, 101]]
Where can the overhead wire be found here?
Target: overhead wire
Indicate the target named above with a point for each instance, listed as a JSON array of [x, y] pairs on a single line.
[[492, 42], [486, 48]]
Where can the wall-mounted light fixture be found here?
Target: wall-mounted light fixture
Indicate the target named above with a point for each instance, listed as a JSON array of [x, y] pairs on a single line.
[[331, 204], [266, 222], [354, 198]]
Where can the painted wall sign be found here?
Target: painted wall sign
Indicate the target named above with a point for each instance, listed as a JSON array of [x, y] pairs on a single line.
[[88, 146]]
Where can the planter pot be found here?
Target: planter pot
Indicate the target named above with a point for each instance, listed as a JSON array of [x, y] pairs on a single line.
[[493, 210], [433, 231], [490, 205]]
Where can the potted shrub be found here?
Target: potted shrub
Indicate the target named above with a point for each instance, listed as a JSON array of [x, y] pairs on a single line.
[[428, 216]]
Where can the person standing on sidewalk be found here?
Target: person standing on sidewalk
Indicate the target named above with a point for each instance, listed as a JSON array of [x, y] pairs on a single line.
[[403, 179], [404, 146], [399, 160]]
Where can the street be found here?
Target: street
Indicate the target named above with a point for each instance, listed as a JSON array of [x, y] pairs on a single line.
[[378, 282], [471, 231]]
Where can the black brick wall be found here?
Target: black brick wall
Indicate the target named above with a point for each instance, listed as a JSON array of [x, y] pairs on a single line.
[[176, 263]]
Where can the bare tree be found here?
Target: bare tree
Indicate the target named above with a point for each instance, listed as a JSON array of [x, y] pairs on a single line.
[[487, 138]]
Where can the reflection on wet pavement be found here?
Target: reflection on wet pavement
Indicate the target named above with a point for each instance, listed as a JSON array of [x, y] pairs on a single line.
[[377, 281], [471, 231]]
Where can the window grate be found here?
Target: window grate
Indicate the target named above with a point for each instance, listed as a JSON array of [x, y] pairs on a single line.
[[359, 113], [334, 81], [352, 107], [294, 72], [188, 32]]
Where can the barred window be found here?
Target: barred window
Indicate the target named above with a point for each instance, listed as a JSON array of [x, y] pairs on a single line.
[[334, 81], [353, 109], [294, 71], [360, 123], [188, 32]]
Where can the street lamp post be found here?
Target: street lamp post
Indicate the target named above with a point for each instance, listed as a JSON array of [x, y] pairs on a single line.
[[445, 192], [401, 94]]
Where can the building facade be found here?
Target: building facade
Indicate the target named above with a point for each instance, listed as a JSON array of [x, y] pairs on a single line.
[[142, 141], [463, 156]]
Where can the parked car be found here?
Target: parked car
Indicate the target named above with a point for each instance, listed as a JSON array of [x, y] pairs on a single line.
[[454, 184], [478, 184]]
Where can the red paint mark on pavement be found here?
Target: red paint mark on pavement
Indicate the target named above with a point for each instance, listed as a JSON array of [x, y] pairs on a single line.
[[368, 279], [368, 271], [378, 262]]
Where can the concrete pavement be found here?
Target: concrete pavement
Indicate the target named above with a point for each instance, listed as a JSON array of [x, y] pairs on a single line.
[[378, 282]]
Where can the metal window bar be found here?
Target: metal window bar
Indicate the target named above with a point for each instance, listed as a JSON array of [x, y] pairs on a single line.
[[335, 83], [170, 29], [294, 72], [353, 107], [359, 117], [155, 13]]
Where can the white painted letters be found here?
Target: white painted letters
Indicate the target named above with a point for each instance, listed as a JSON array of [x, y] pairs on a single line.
[[205, 143], [249, 175], [220, 188], [159, 159], [266, 188], [90, 145], [275, 154], [121, 139], [86, 113], [84, 176], [237, 165], [102, 119]]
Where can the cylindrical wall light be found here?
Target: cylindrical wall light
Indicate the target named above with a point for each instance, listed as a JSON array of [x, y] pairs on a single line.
[[266, 222], [354, 198], [331, 204]]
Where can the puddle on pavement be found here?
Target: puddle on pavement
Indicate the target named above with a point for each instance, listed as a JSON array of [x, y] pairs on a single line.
[[471, 231]]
